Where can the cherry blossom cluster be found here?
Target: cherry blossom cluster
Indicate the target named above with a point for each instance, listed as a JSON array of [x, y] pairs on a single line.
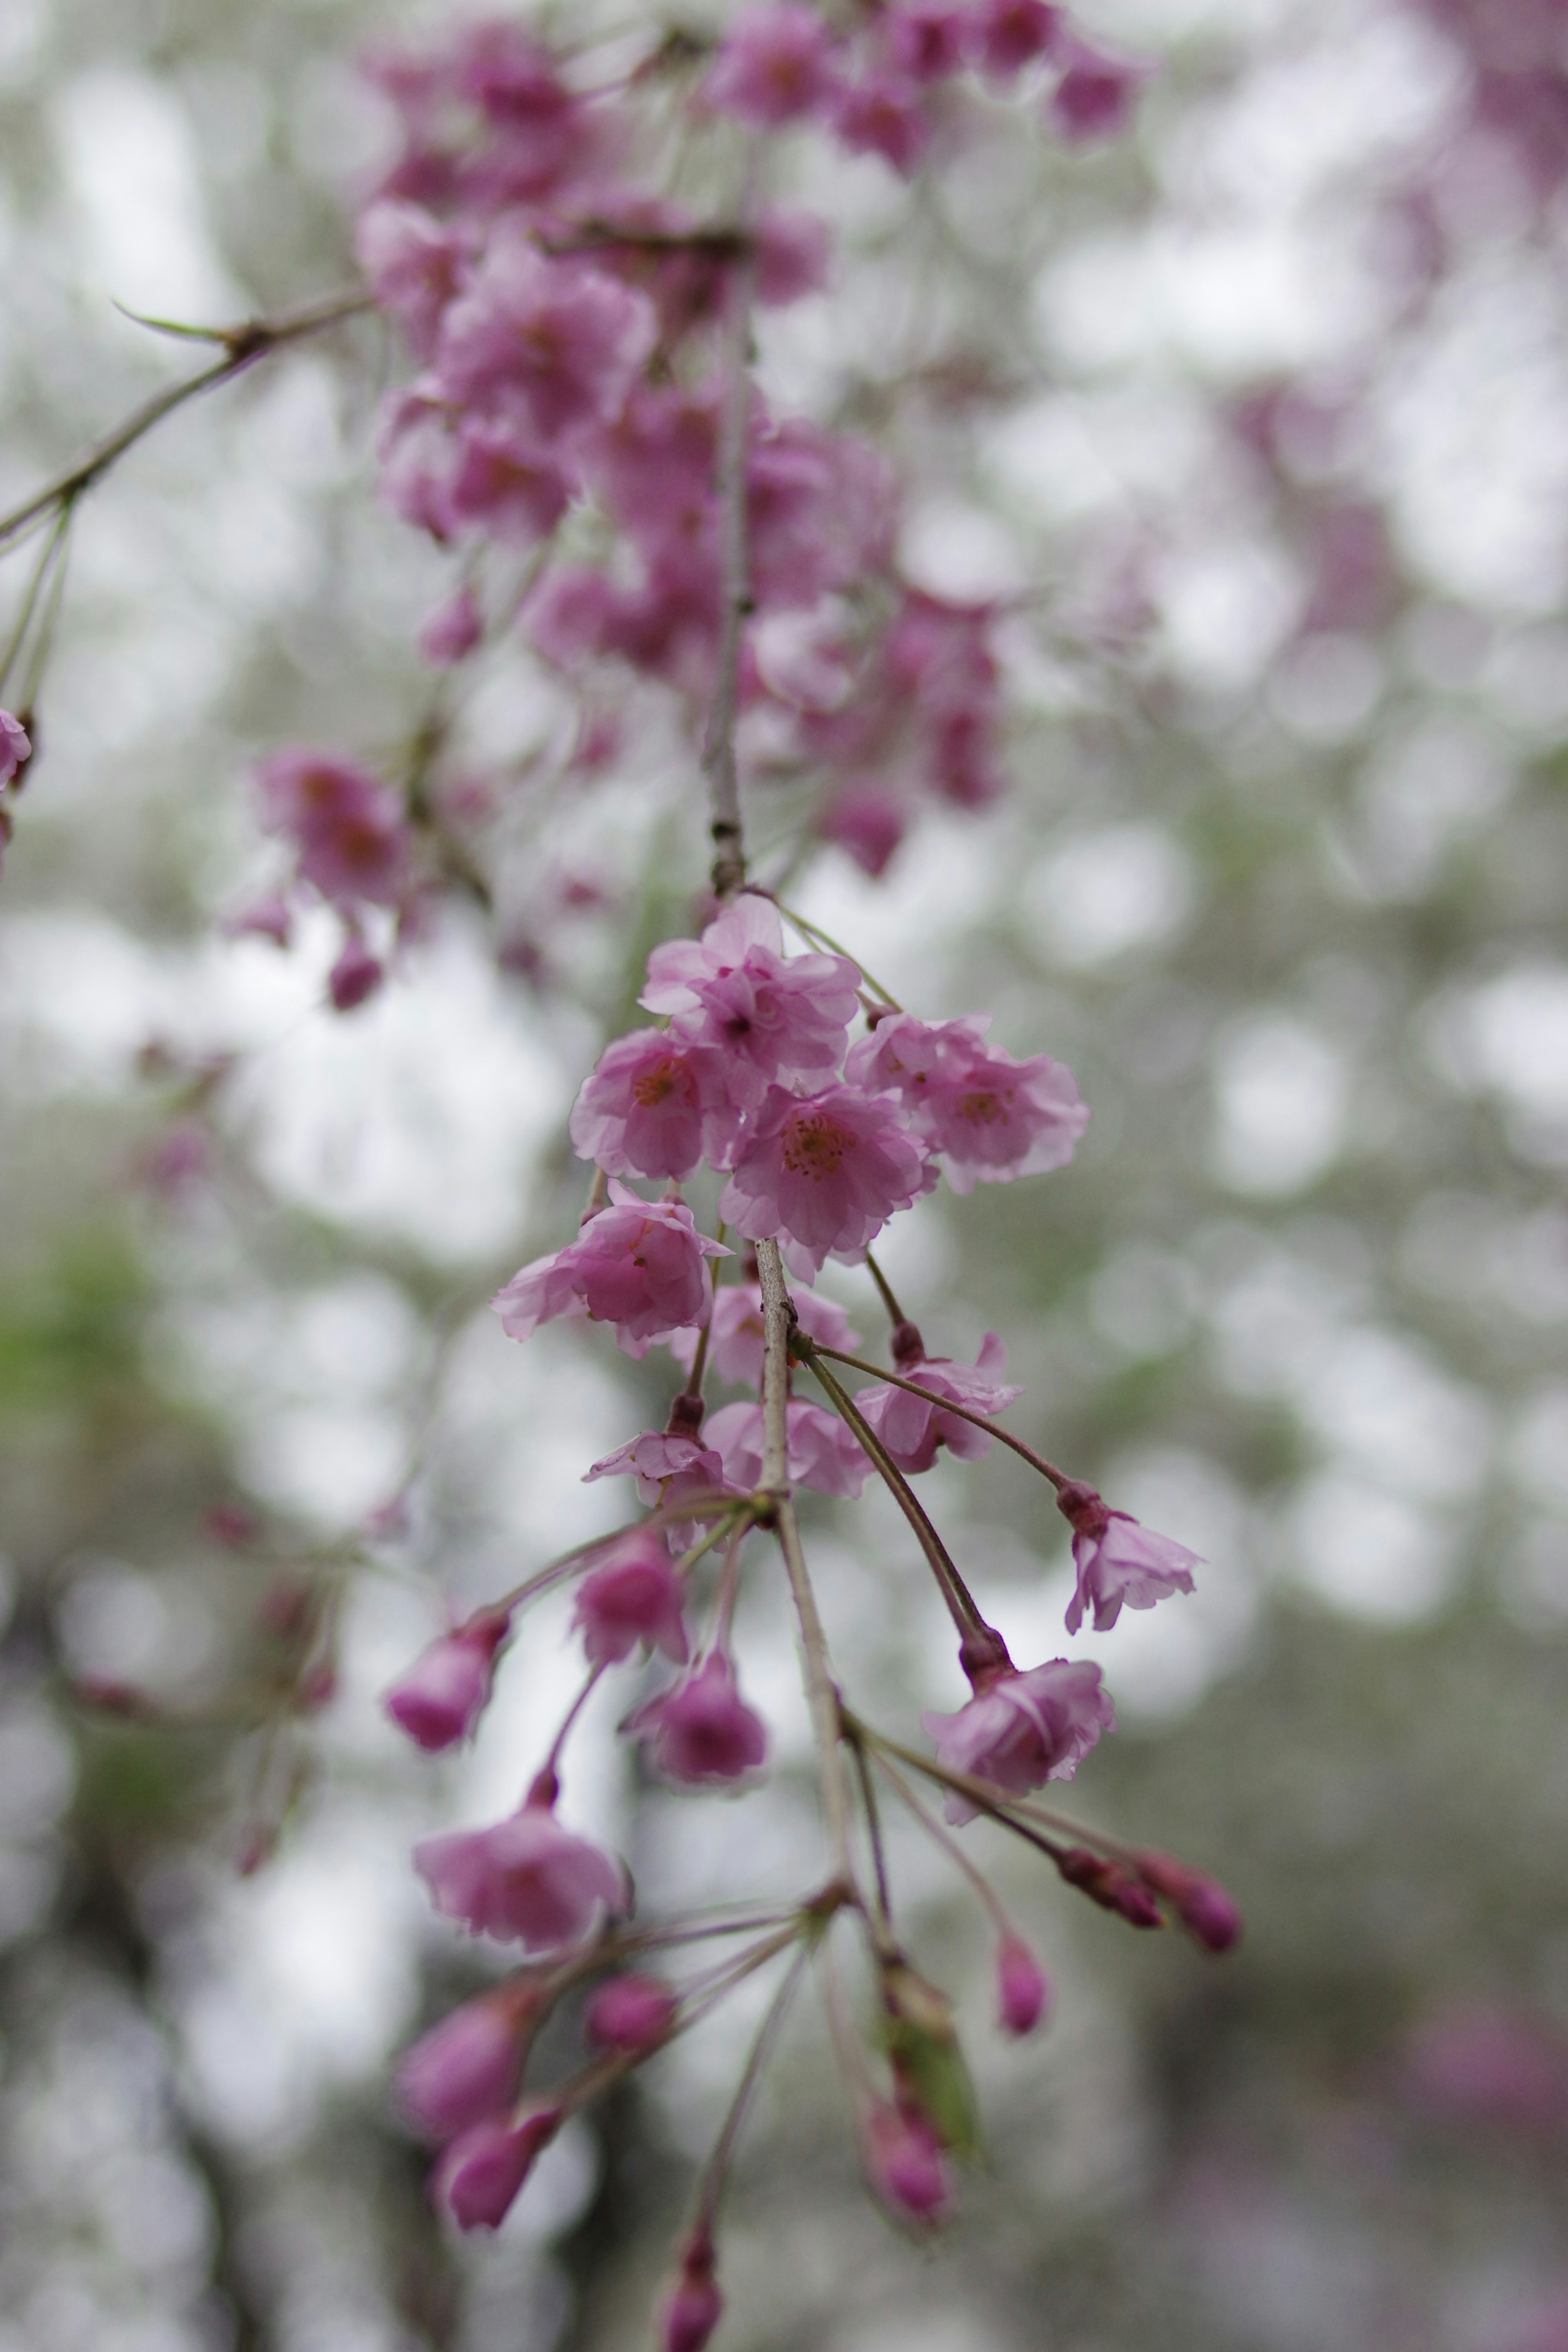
[[808, 1138]]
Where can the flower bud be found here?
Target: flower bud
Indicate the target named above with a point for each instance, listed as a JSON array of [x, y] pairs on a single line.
[[1023, 1988], [692, 2307], [480, 2173], [631, 2013], [440, 1698], [356, 975], [466, 2068], [905, 2163], [1111, 1886], [1201, 1904]]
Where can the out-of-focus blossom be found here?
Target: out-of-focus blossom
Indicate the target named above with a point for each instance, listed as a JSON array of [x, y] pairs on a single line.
[[1097, 92], [526, 1880], [693, 2306], [775, 64], [356, 974], [1024, 1730], [443, 1694], [629, 2012], [905, 2164], [702, 1730], [468, 2066], [735, 1335], [16, 746], [634, 1596], [1023, 1988], [480, 2172], [555, 342], [637, 1263]]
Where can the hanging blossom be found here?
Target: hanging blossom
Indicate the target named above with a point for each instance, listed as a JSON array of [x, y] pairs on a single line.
[[913, 1427], [637, 1263]]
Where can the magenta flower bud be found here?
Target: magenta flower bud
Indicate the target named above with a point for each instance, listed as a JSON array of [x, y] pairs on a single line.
[[441, 1698], [467, 2067], [693, 2309], [1111, 1886], [479, 2175], [905, 2163], [356, 975], [633, 2013], [1023, 1988], [633, 1596], [1201, 1904], [702, 1730]]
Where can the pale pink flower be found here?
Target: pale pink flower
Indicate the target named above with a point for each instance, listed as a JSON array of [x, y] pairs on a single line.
[[927, 40], [479, 2174], [701, 1730], [447, 473], [633, 1596], [415, 264], [630, 2012], [735, 1337], [775, 64], [824, 1171], [912, 1429], [1023, 1988], [692, 2309], [637, 1263], [881, 114], [1011, 34], [1201, 1903], [555, 342], [356, 974], [525, 1879], [347, 826], [443, 1694], [452, 631], [770, 1014], [990, 1117], [822, 1451], [15, 748], [1024, 1730], [666, 1465], [867, 822], [904, 2159], [468, 2066], [1097, 92], [654, 1106], [1119, 1564], [791, 253]]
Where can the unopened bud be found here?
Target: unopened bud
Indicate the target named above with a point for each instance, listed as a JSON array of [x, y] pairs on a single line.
[[693, 2304], [631, 2013], [905, 2163], [1023, 1988], [1111, 1886], [1201, 1904]]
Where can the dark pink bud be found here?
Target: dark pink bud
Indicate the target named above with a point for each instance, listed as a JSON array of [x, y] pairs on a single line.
[[466, 2067], [1201, 1904], [356, 975], [1111, 1886], [480, 2173], [631, 2013], [440, 1698], [1023, 1988], [905, 2162], [231, 1523], [691, 2310]]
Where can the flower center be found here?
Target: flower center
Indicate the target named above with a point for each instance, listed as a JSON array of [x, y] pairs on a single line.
[[814, 1144], [985, 1106], [655, 1084]]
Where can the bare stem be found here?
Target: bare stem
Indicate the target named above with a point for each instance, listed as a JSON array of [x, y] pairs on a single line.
[[242, 345], [712, 2186], [885, 1293], [718, 746], [809, 1348], [945, 1840], [818, 937]]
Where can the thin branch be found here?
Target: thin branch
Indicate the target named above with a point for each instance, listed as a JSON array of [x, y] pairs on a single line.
[[242, 346], [714, 2171], [818, 937], [718, 746], [896, 1315]]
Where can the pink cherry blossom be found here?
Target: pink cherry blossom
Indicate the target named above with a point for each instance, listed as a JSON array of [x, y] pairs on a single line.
[[526, 1880], [735, 1335], [415, 264], [1097, 92], [15, 748], [824, 1171], [734, 989], [882, 114], [693, 2307], [468, 2066], [775, 64], [452, 631], [927, 39], [633, 1596], [441, 1696], [447, 473], [629, 2012], [867, 820], [1023, 1988], [356, 974], [1011, 34], [637, 1263], [666, 1465], [553, 342], [1119, 1562], [990, 1117], [823, 1452], [656, 1105], [904, 2159], [701, 1730], [267, 918], [911, 1430], [347, 826], [1024, 1730], [479, 2174]]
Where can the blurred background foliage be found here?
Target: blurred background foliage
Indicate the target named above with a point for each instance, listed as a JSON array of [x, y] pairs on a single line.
[[1261, 418]]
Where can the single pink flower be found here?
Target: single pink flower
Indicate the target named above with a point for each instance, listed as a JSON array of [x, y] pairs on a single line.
[[347, 826], [1097, 92], [990, 1117], [667, 1466], [927, 40], [656, 1105], [693, 2309], [16, 746], [526, 1880], [443, 1694], [735, 1338], [775, 64], [701, 1730], [911, 1430], [904, 2159], [1023, 1988], [479, 2174], [1024, 1730], [633, 1596], [415, 265], [1011, 34], [356, 975], [768, 1014], [1119, 1562], [629, 2012], [554, 343], [1201, 1903], [468, 2066], [881, 114], [820, 512], [824, 1172], [637, 1263], [823, 1451]]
